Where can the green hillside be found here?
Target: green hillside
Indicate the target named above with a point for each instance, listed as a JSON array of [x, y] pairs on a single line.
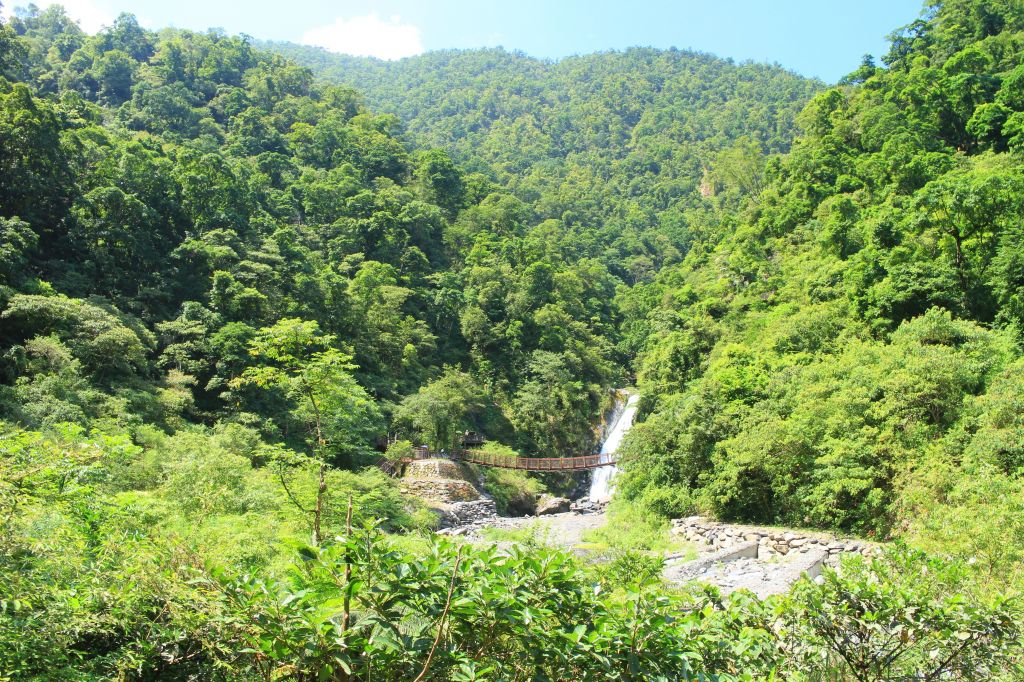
[[232, 274], [611, 147], [845, 351]]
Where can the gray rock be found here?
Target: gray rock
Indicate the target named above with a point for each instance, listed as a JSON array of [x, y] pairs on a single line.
[[466, 513], [585, 506], [552, 505]]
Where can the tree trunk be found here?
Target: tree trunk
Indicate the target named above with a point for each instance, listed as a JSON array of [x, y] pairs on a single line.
[[321, 488]]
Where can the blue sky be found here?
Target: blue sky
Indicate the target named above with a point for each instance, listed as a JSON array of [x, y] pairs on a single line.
[[823, 38]]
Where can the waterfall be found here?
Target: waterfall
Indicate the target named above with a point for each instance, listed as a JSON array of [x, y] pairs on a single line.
[[601, 483]]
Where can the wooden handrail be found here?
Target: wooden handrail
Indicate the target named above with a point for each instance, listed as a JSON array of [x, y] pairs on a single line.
[[488, 459]]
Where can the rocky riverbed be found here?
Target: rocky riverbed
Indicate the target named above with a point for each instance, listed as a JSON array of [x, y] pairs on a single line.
[[564, 529], [763, 560]]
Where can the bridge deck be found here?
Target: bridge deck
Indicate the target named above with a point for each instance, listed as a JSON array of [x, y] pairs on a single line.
[[505, 461]]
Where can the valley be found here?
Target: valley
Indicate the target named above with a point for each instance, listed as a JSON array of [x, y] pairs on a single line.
[[312, 364]]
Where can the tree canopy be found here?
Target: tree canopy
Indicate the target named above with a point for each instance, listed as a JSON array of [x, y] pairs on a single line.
[[231, 273]]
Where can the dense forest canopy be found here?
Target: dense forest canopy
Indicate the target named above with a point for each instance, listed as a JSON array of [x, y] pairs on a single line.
[[198, 190], [786, 288], [845, 350], [612, 148], [230, 271]]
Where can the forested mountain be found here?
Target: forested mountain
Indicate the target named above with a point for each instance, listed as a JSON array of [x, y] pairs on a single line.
[[845, 350], [195, 190], [612, 148], [230, 271], [846, 316], [207, 190]]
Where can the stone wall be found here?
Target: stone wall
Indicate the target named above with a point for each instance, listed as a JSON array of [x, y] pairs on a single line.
[[431, 469], [714, 536], [448, 489], [439, 482], [440, 490]]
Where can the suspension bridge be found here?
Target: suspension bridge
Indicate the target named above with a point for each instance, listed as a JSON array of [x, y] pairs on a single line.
[[394, 467]]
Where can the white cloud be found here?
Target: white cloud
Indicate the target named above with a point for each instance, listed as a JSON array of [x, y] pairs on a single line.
[[91, 17], [368, 36]]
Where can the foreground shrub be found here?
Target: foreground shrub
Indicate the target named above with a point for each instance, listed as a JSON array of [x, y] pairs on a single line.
[[98, 582], [902, 616], [360, 608]]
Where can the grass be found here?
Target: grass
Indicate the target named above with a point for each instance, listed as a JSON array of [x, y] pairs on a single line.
[[629, 529], [413, 543], [535, 534]]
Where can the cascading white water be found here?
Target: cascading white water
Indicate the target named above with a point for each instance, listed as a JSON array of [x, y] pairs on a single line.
[[601, 483]]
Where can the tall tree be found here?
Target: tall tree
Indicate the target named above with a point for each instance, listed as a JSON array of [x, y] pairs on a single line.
[[299, 361]]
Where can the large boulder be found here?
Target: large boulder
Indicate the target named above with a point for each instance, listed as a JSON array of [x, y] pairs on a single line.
[[461, 514], [548, 504], [518, 503]]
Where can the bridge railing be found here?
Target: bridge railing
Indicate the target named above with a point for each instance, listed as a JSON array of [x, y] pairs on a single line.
[[501, 461]]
